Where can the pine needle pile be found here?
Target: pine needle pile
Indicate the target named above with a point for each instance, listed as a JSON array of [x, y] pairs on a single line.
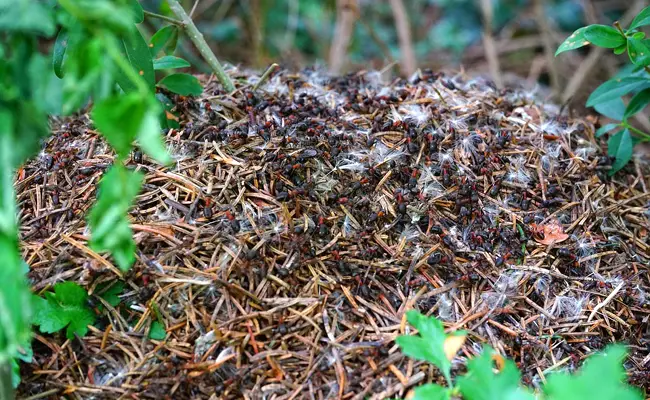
[[306, 214]]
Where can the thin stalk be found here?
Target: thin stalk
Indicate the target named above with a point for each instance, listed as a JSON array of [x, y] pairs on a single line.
[[197, 38], [645, 136], [265, 76], [6, 388], [164, 18]]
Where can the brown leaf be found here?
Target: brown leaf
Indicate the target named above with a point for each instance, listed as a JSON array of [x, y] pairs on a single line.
[[453, 344], [550, 233]]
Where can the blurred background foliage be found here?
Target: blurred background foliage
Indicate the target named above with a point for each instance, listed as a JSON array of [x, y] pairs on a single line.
[[445, 34]]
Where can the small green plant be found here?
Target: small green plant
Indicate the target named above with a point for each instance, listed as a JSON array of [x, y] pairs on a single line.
[[66, 306], [490, 376], [607, 98]]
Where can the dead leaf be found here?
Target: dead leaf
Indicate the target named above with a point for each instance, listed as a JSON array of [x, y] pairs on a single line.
[[499, 361], [453, 344], [550, 233]]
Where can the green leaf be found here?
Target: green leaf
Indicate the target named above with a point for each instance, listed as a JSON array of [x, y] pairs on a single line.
[[150, 138], [119, 118], [482, 383], [58, 52], [638, 35], [157, 331], [429, 345], [641, 19], [621, 49], [575, 41], [165, 39], [605, 128], [637, 103], [110, 292], [604, 36], [109, 226], [136, 10], [602, 377], [66, 306], [431, 391], [183, 84], [614, 109], [620, 146], [638, 52], [139, 56], [26, 16], [615, 88], [168, 62], [168, 118]]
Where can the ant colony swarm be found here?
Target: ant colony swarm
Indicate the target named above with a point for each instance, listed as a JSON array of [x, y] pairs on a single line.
[[331, 202]]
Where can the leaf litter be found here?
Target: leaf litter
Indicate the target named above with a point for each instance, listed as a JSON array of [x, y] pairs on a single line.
[[279, 254]]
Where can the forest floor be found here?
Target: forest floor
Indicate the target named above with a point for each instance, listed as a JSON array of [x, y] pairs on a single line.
[[302, 220]]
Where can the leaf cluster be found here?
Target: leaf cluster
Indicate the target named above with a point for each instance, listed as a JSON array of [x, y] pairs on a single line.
[[489, 376], [607, 98]]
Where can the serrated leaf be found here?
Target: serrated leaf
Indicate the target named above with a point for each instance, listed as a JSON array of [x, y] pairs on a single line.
[[638, 52], [482, 383], [109, 226], [430, 344], [605, 128], [136, 11], [183, 84], [604, 36], [602, 377], [165, 39], [157, 331], [430, 391], [66, 306], [119, 118], [58, 52], [615, 88], [169, 62], [622, 148], [637, 103], [574, 41], [641, 19]]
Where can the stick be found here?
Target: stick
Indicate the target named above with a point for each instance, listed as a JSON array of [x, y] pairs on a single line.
[[197, 38], [607, 300], [346, 14], [488, 42], [403, 26]]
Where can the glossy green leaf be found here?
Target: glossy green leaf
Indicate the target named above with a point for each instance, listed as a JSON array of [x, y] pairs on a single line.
[[136, 11], [638, 52], [615, 88], [614, 109], [109, 225], [119, 118], [58, 52], [169, 62], [604, 36], [621, 49], [139, 56], [157, 331], [621, 147], [641, 19], [482, 383], [637, 103], [638, 35], [66, 306], [575, 41], [605, 128], [183, 84], [602, 377], [164, 40]]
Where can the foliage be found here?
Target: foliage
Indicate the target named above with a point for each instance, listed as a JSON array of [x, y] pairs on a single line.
[[98, 57], [65, 307], [607, 97], [490, 376]]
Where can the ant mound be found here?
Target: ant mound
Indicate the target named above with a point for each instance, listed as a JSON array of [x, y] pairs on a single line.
[[301, 220]]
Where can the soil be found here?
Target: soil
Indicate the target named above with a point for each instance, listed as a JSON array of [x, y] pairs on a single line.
[[302, 220]]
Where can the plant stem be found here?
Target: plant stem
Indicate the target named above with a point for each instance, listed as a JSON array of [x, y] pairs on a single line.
[[6, 388], [197, 38], [265, 76], [617, 25], [644, 135], [164, 18]]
